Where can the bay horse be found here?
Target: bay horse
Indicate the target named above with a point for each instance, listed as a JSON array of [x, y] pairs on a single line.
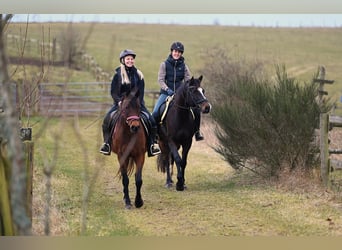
[[129, 144], [178, 128]]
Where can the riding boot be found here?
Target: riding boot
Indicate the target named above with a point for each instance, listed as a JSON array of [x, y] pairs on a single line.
[[153, 147], [198, 134], [106, 130], [156, 118]]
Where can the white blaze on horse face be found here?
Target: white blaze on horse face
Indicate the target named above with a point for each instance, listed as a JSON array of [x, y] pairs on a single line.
[[207, 106], [202, 92]]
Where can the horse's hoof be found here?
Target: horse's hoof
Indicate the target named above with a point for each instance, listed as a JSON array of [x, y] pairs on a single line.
[[180, 187], [128, 206], [139, 204], [168, 185]]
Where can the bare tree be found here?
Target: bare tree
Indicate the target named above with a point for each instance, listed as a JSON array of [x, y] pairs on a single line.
[[10, 133], [70, 42]]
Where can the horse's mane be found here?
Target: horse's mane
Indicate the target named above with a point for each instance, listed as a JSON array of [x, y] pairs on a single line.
[[183, 86]]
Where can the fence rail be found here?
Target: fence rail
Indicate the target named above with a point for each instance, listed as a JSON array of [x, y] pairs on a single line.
[[89, 98]]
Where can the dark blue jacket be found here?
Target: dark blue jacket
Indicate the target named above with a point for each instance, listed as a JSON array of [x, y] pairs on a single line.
[[118, 89], [175, 72]]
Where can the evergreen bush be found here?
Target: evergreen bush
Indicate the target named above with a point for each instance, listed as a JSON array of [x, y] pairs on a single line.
[[264, 124]]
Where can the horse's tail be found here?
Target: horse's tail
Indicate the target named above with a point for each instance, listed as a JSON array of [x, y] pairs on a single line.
[[161, 163], [130, 167]]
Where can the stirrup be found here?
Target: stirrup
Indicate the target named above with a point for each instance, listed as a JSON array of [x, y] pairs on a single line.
[[105, 149], [153, 150]]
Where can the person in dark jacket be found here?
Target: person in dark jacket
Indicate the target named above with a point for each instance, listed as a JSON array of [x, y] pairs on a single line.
[[126, 77], [172, 73]]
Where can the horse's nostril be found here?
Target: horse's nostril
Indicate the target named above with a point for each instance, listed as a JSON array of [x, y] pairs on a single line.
[[207, 109]]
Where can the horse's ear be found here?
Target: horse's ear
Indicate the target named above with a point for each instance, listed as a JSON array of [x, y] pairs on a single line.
[[200, 78], [191, 81]]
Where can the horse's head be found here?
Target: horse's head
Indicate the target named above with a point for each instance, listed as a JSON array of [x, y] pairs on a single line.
[[130, 109], [196, 94]]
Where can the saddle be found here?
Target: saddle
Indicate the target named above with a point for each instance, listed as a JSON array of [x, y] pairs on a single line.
[[145, 122]]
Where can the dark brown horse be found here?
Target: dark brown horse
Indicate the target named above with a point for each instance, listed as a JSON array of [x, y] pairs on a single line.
[[178, 128], [129, 143]]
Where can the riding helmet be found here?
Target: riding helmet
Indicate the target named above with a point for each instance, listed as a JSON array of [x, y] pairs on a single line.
[[126, 52], [177, 46]]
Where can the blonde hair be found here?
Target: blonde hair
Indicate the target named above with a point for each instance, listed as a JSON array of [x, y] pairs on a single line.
[[124, 76]]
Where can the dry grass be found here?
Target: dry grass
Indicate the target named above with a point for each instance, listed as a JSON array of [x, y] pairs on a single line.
[[218, 200]]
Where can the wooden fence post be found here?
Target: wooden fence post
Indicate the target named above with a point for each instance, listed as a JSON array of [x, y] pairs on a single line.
[[324, 128], [321, 91], [28, 150], [324, 148]]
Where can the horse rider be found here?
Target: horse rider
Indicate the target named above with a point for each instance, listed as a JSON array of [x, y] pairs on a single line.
[[172, 73], [126, 77]]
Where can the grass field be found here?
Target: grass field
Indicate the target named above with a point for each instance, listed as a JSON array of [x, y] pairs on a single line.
[[218, 200], [302, 50]]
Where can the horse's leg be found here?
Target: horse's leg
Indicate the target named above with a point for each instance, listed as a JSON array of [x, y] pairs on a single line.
[[164, 164], [178, 161], [172, 163], [165, 156], [167, 162], [125, 183], [185, 151], [138, 183]]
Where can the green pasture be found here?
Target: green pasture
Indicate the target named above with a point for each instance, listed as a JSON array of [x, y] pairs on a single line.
[[302, 50]]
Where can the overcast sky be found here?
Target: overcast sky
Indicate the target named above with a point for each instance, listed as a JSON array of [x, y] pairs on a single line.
[[269, 20]]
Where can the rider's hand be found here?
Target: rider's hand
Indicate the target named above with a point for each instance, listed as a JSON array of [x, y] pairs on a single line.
[[169, 91]]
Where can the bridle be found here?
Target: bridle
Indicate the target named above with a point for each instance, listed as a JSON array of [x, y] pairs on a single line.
[[131, 119], [187, 94]]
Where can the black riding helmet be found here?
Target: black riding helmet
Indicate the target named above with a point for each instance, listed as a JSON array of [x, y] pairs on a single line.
[[126, 52], [177, 46]]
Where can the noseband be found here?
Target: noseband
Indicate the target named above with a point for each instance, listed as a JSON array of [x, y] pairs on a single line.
[[132, 118]]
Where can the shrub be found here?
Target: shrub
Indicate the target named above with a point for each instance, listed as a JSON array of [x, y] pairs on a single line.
[[265, 125]]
